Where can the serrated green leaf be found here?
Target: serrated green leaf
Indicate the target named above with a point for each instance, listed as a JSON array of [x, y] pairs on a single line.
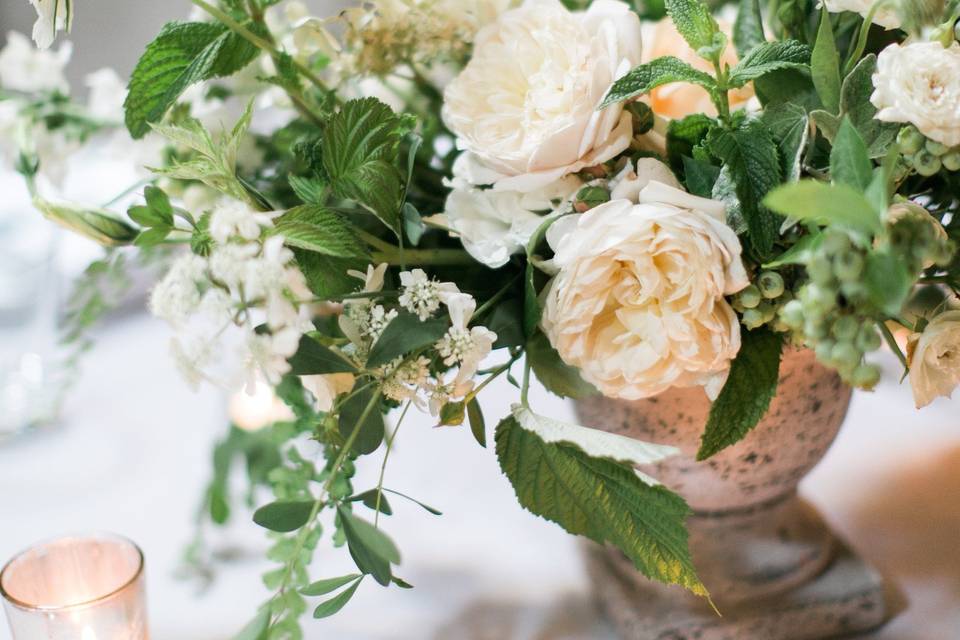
[[478, 426], [602, 500], [825, 64], [371, 430], [335, 604], [309, 190], [746, 397], [315, 228], [753, 160], [327, 276], [748, 27], [849, 162], [826, 204], [557, 377], [313, 358], [182, 54], [284, 515], [697, 26], [656, 73], [684, 135], [768, 57], [405, 334], [323, 587], [700, 177], [790, 126]]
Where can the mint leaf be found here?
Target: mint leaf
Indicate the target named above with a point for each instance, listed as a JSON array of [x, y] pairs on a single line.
[[697, 26], [825, 64], [656, 73], [745, 398], [753, 160], [790, 126], [558, 377], [405, 334], [826, 204], [359, 152], [748, 27], [316, 228], [183, 54], [603, 500], [700, 177], [683, 136], [768, 57], [849, 162]]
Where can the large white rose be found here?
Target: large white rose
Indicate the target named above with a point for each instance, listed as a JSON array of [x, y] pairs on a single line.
[[525, 107], [935, 359], [920, 83], [638, 304], [887, 16]]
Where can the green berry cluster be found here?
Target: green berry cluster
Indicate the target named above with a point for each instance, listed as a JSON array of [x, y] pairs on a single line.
[[760, 302], [927, 157], [919, 238], [826, 313]]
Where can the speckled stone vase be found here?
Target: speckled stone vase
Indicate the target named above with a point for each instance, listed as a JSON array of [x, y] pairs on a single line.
[[772, 566]]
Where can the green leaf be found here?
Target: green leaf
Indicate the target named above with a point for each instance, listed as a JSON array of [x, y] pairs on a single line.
[[313, 358], [478, 426], [369, 500], [158, 201], [371, 431], [684, 135], [753, 159], [558, 377], [327, 276], [335, 604], [788, 86], [425, 507], [826, 205], [600, 499], [284, 515], [748, 27], [888, 282], [146, 217], [360, 147], [656, 73], [855, 103], [697, 26], [825, 64], [849, 162], [152, 237], [800, 253], [315, 228], [405, 334], [700, 177], [309, 190], [323, 587], [453, 414], [99, 225], [413, 224], [746, 396], [768, 57], [257, 628], [372, 550], [183, 53], [790, 126]]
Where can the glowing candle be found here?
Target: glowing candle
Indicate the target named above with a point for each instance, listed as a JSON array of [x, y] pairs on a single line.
[[76, 588]]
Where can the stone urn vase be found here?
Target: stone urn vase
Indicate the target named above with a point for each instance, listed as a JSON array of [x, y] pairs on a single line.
[[771, 564]]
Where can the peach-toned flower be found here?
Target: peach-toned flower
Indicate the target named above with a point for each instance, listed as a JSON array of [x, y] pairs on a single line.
[[639, 302], [934, 357], [682, 99]]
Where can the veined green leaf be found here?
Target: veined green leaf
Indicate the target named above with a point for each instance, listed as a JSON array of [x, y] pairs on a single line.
[[315, 228], [748, 27], [656, 73], [849, 162], [825, 64], [826, 204], [99, 225], [768, 57], [697, 26], [745, 398], [856, 104], [790, 126], [603, 500]]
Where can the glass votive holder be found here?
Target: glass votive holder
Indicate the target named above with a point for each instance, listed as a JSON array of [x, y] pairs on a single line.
[[77, 588]]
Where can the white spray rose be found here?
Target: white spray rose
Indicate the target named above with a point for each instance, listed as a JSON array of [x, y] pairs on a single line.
[[919, 83], [887, 16], [638, 304], [525, 107], [935, 359]]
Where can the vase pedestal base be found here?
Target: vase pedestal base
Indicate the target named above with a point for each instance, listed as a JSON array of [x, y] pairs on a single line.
[[848, 597]]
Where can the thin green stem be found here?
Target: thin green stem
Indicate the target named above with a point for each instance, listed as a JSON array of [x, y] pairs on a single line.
[[525, 389], [499, 371], [489, 304], [126, 192], [374, 241], [436, 257], [386, 457]]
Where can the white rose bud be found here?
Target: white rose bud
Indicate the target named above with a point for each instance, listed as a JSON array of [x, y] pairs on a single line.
[[525, 107], [639, 302], [934, 359], [919, 83], [887, 16]]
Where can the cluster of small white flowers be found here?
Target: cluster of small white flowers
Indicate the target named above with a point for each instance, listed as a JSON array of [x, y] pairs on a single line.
[[421, 295], [247, 281], [403, 380]]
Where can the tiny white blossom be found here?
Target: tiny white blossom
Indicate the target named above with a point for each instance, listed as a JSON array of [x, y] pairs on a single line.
[[229, 264], [378, 320], [421, 295], [268, 354], [233, 218], [177, 296], [24, 68], [462, 345], [442, 392], [404, 379]]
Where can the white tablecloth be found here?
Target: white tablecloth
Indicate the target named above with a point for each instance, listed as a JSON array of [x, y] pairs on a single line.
[[132, 456]]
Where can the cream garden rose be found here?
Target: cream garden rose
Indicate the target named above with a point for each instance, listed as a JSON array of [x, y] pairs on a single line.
[[638, 302], [525, 107], [934, 357], [919, 83], [886, 16]]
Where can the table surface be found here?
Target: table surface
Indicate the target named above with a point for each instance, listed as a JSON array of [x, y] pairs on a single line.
[[132, 455]]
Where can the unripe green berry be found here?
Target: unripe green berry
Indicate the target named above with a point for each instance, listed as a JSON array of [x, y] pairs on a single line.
[[951, 161], [824, 351], [927, 164], [910, 141], [820, 269], [792, 314], [814, 329], [750, 297], [771, 285], [868, 340], [752, 319], [866, 376], [819, 298], [846, 356], [845, 328], [936, 148], [848, 265]]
